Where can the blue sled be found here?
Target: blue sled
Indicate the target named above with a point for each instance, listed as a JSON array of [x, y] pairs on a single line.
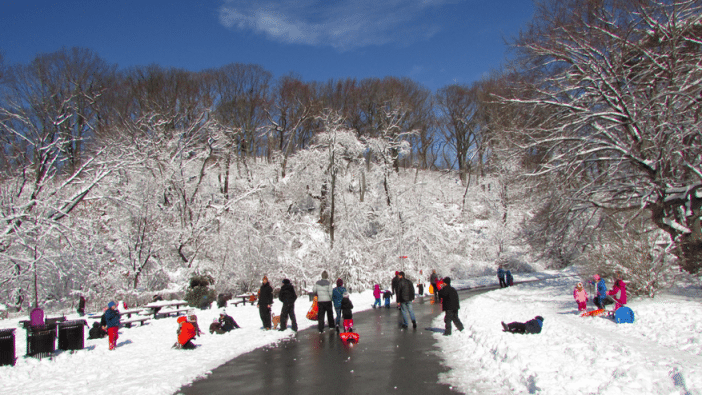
[[624, 315]]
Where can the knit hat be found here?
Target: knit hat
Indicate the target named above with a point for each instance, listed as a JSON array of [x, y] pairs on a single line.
[[538, 317], [325, 275], [223, 312], [447, 280], [580, 285], [396, 272], [346, 294], [111, 305], [596, 277], [339, 282], [181, 319], [265, 278], [286, 281]]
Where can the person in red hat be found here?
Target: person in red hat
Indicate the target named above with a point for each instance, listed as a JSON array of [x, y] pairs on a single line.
[[186, 334]]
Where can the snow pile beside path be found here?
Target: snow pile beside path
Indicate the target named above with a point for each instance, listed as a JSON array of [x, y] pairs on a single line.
[[661, 352], [144, 362]]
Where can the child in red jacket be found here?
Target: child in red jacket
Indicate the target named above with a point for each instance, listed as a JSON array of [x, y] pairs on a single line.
[[186, 334]]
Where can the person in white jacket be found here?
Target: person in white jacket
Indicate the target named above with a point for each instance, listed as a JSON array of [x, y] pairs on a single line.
[[323, 289]]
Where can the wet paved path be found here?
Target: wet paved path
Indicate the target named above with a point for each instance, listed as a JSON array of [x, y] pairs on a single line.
[[386, 360]]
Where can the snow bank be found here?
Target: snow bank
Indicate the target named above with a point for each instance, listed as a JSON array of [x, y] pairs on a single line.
[[661, 352]]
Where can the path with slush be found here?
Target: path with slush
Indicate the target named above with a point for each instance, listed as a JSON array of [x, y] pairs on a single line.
[[386, 360]]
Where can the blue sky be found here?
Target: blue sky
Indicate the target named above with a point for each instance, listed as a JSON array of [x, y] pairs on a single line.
[[434, 42]]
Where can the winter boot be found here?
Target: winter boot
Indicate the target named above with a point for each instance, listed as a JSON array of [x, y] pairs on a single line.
[[414, 324], [505, 328]]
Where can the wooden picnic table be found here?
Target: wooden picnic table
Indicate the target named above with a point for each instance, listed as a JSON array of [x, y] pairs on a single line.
[[247, 297], [156, 307]]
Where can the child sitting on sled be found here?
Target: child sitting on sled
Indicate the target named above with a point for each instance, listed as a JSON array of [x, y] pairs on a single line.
[[347, 313], [580, 295]]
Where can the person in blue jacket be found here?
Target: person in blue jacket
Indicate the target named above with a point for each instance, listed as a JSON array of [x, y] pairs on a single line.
[[532, 326], [510, 279], [337, 297], [601, 291], [111, 317], [501, 276]]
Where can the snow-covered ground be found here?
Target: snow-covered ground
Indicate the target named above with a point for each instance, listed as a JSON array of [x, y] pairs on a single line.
[[660, 353]]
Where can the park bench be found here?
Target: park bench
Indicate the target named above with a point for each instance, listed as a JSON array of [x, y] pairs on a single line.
[[128, 322], [248, 297], [168, 313]]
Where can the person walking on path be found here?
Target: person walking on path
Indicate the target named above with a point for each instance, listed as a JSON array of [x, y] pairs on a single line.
[[81, 306], [405, 292], [347, 311], [386, 296], [337, 296], [532, 326], [265, 301], [323, 289], [112, 324], [288, 297], [450, 304], [501, 276], [376, 295], [434, 279], [393, 285]]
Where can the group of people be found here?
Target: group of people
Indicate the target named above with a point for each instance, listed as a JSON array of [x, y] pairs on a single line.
[[287, 296], [602, 295], [505, 277], [336, 298]]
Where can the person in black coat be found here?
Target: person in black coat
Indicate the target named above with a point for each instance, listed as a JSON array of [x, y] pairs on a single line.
[[450, 304], [394, 284], [265, 301], [288, 297], [531, 326]]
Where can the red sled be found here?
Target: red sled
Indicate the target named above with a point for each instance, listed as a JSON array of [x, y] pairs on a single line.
[[593, 313], [349, 337]]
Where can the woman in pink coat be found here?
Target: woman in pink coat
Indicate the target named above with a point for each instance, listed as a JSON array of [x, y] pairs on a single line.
[[618, 293], [580, 295], [376, 295]]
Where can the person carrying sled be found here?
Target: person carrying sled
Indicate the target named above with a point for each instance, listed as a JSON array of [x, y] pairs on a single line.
[[186, 334], [265, 301], [112, 324], [501, 276], [532, 326], [376, 295], [601, 291], [580, 296], [347, 312], [337, 296], [450, 305], [323, 289], [618, 293], [288, 296]]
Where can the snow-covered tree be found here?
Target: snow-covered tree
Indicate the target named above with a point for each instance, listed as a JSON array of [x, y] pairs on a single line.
[[615, 89]]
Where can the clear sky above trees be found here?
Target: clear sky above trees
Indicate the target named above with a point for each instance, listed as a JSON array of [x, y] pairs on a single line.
[[434, 42]]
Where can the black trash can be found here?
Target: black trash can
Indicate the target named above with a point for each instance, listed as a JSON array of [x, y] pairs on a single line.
[[7, 347], [71, 335], [41, 340]]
